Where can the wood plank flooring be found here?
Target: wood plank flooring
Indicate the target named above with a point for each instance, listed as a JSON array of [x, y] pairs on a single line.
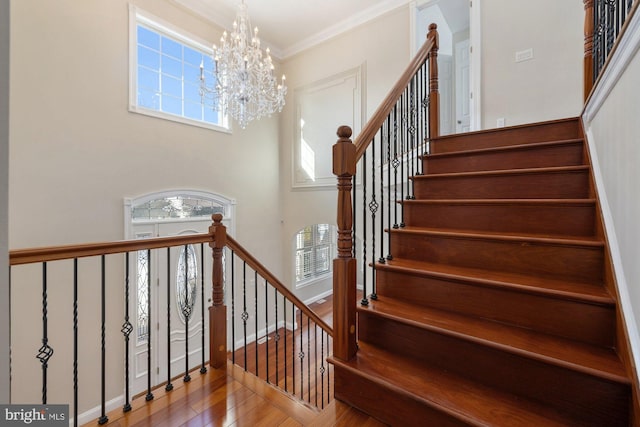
[[233, 397]]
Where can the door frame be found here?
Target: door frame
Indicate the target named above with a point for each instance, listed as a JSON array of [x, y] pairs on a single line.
[[152, 228], [475, 59]]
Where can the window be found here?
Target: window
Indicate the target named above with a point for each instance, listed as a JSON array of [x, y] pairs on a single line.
[[165, 74], [315, 250]]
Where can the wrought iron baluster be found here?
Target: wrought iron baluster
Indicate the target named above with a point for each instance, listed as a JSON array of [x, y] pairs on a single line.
[[186, 311], [75, 343], [103, 417], [233, 309], [276, 336], [301, 355], [383, 140], [169, 386], [373, 209], [203, 368], [255, 308], [315, 371], [426, 148], [126, 330], [321, 369], [149, 395], [403, 143], [46, 351], [364, 300], [266, 325], [245, 315], [308, 357], [395, 165], [389, 257], [286, 354]]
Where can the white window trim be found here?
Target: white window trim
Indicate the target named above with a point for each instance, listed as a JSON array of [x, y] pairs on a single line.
[[137, 15], [321, 277]]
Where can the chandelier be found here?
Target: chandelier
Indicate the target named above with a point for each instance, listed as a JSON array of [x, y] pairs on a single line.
[[245, 87]]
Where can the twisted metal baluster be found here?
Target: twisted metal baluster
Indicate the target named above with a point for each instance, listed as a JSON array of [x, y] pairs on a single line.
[[186, 312], [266, 325], [276, 337], [46, 351], [255, 311], [103, 417], [126, 330], [364, 300], [203, 368], [169, 386], [75, 342], [149, 395], [373, 208]]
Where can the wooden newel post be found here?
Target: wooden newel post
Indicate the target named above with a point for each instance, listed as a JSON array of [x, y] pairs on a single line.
[[344, 267], [588, 47], [217, 311], [434, 95]]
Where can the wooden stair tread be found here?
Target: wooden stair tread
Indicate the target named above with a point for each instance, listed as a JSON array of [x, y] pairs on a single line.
[[525, 283], [492, 202], [530, 146], [505, 172], [459, 397], [512, 237], [584, 358]]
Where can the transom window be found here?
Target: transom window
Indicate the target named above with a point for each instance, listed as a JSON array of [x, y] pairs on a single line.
[[315, 250], [165, 75]]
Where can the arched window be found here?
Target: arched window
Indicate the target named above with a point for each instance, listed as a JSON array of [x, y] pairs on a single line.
[[314, 252]]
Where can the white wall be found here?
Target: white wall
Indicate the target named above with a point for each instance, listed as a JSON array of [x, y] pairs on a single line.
[[382, 47], [5, 314], [545, 88], [611, 123], [77, 152]]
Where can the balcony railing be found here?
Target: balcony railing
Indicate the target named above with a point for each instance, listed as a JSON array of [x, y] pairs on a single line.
[[97, 325]]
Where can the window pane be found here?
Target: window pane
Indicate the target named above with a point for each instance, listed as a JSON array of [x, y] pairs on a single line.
[[148, 99], [171, 66], [148, 79], [192, 56], [192, 74], [172, 48], [186, 282], [148, 38], [193, 110], [171, 86], [171, 105], [148, 58], [192, 93], [210, 115]]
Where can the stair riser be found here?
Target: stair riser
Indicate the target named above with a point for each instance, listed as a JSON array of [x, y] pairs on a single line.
[[548, 156], [388, 405], [543, 185], [591, 400], [557, 219], [562, 262], [579, 321], [556, 131]]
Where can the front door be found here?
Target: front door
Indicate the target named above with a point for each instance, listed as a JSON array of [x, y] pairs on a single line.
[[180, 277]]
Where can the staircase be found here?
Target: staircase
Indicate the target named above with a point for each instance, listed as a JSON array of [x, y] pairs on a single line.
[[493, 310]]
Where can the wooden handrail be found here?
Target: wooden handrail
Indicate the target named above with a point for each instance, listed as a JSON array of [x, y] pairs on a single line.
[[56, 253], [372, 127], [273, 281]]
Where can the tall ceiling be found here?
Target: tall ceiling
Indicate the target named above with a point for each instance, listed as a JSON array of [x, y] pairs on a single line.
[[290, 26]]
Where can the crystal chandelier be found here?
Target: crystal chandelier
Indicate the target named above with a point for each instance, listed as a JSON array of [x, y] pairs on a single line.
[[244, 86]]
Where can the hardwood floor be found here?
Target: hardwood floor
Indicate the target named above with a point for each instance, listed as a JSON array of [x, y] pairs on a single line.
[[233, 397], [294, 360]]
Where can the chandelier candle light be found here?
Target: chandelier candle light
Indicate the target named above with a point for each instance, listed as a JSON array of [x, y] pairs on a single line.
[[245, 86]]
